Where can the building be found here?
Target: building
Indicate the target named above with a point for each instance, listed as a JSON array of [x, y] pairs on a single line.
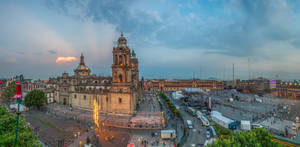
[[2, 85], [119, 94], [29, 85], [287, 89], [257, 86], [177, 85]]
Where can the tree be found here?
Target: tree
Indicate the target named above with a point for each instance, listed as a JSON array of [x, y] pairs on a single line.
[[8, 131], [10, 91], [256, 138], [35, 98]]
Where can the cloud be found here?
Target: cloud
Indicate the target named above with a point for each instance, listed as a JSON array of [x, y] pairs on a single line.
[[180, 35], [21, 53], [66, 59], [133, 21], [52, 51], [235, 27]]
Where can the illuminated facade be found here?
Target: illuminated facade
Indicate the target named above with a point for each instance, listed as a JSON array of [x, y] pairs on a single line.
[[287, 89], [118, 94]]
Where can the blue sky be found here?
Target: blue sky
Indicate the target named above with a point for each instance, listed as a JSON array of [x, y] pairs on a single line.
[[172, 38]]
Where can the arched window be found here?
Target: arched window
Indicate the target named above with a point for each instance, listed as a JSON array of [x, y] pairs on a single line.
[[120, 100], [120, 78], [125, 60], [116, 59], [120, 60]]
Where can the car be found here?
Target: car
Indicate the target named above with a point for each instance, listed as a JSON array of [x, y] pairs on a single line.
[[294, 126], [254, 126], [207, 134]]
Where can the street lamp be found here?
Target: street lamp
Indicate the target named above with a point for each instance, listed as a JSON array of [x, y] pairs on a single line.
[[18, 96]]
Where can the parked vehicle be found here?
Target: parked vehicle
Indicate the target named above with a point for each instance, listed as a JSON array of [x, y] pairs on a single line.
[[294, 126], [234, 125], [245, 125], [191, 110], [189, 124], [207, 134], [199, 114], [168, 134], [254, 126], [213, 131], [258, 100], [204, 121]]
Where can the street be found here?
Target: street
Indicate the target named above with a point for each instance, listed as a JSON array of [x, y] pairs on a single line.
[[194, 137]]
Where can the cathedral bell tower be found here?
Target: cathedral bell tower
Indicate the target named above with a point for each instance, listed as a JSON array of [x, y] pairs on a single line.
[[124, 76], [121, 67]]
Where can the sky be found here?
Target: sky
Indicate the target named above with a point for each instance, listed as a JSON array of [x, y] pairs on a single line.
[[172, 38]]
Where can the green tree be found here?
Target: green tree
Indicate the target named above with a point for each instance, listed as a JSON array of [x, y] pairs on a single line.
[[10, 91], [256, 138], [35, 98], [8, 131]]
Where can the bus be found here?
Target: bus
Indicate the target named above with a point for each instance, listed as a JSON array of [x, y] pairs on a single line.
[[199, 114], [204, 121], [214, 134], [189, 124], [191, 110]]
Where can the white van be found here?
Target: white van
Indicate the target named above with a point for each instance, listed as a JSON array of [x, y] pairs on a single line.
[[189, 124]]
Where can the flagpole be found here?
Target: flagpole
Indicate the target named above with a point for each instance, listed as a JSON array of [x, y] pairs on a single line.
[[19, 99]]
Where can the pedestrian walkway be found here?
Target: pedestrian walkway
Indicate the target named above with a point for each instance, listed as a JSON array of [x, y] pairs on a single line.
[[149, 141]]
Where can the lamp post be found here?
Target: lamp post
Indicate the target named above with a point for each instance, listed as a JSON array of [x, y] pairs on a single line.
[[18, 96]]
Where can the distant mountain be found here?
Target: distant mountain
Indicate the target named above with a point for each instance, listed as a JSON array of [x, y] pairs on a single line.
[[212, 78]]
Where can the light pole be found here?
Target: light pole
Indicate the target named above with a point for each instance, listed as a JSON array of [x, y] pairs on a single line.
[[19, 100]]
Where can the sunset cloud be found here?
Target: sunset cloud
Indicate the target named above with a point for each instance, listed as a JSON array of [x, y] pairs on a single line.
[[65, 59]]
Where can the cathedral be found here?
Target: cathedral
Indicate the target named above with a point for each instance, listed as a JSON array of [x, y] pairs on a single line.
[[119, 94]]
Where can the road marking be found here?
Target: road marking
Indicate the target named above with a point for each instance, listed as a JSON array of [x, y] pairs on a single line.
[[194, 130], [193, 145]]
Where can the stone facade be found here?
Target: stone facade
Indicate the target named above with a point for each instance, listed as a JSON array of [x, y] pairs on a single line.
[[177, 85], [119, 94]]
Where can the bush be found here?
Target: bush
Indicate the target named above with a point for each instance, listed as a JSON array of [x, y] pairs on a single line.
[[8, 131], [256, 138], [223, 132]]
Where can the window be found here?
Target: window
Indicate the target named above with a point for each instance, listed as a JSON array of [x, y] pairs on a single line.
[[75, 96], [120, 60], [120, 100], [84, 97], [116, 59], [106, 99], [120, 78]]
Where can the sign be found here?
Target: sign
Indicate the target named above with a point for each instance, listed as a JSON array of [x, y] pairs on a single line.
[[18, 91]]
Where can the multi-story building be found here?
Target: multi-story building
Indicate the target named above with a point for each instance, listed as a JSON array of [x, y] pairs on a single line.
[[118, 94], [258, 86], [29, 85], [287, 89], [177, 85]]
